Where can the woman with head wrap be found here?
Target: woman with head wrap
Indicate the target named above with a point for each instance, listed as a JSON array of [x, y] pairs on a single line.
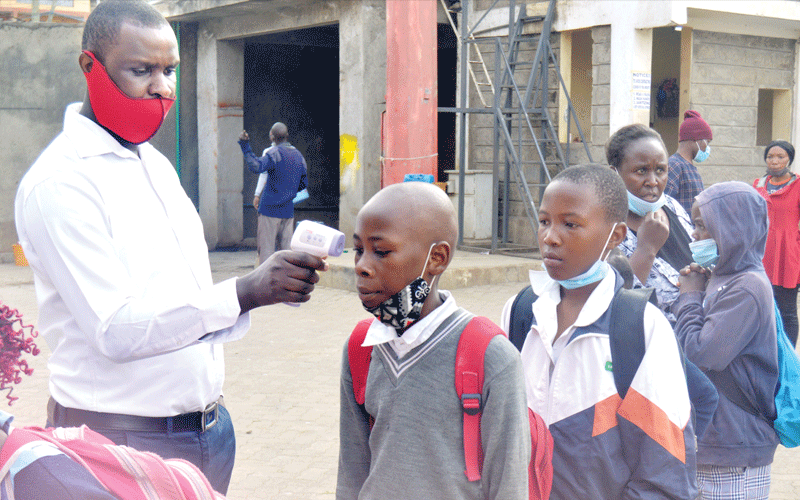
[[782, 255]]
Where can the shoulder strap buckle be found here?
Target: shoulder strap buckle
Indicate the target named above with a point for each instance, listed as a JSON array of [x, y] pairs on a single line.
[[471, 403]]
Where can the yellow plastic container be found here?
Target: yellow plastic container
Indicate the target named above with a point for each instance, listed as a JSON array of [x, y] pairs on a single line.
[[19, 255]]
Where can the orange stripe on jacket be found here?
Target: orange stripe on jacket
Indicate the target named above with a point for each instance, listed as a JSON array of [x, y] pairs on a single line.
[[647, 416], [605, 414]]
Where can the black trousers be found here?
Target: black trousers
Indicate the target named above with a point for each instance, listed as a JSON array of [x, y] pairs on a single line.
[[787, 304]]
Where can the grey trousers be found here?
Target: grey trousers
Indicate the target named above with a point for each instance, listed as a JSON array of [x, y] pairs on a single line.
[[273, 234]]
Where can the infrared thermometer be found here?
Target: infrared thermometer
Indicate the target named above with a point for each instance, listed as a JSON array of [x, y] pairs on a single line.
[[317, 239]]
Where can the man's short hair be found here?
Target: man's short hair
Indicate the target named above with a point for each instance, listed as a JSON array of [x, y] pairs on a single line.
[[622, 138], [607, 185], [103, 25], [279, 131]]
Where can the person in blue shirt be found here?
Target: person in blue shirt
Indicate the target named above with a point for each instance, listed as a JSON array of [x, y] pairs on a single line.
[[286, 169]]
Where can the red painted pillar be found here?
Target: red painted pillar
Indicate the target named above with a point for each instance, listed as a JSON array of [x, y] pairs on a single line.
[[410, 126]]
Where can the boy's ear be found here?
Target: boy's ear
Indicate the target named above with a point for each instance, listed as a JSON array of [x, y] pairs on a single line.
[[617, 235], [441, 253]]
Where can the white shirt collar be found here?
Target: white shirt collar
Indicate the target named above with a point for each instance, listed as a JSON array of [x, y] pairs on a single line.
[[417, 333], [89, 138], [549, 293]]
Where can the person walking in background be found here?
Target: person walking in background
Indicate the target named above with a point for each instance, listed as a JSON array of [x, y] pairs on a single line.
[[782, 255], [286, 176], [726, 325], [694, 145], [126, 299]]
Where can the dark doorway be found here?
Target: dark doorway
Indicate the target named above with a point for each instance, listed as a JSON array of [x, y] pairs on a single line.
[[447, 76], [293, 77]]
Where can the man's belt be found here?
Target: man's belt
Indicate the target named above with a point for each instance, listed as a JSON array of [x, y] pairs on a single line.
[[198, 421]]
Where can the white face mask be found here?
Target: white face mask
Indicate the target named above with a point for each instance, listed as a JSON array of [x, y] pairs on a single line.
[[640, 207]]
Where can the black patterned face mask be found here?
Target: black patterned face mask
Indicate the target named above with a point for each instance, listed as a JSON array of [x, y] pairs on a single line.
[[402, 309]]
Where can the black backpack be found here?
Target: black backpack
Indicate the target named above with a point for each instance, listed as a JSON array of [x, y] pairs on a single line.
[[626, 334], [626, 338]]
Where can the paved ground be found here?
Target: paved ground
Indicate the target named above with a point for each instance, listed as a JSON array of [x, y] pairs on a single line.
[[282, 385]]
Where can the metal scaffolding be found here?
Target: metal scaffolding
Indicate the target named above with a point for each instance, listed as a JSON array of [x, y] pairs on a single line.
[[525, 135]]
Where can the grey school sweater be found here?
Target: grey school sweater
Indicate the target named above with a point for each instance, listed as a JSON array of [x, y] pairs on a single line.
[[415, 449]]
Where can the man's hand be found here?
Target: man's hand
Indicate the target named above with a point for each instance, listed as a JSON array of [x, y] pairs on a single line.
[[243, 136], [693, 278], [255, 202], [287, 276]]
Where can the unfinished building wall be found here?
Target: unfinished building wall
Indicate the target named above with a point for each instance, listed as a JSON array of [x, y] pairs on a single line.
[[601, 96], [742, 86], [39, 75]]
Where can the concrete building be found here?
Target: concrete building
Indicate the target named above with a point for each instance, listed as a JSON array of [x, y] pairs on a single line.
[[320, 67], [735, 62], [58, 11]]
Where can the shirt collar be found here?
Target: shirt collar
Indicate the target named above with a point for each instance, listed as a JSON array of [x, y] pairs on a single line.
[[89, 138], [549, 290], [417, 333]]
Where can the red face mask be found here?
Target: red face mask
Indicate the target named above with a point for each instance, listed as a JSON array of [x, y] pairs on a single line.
[[134, 120]]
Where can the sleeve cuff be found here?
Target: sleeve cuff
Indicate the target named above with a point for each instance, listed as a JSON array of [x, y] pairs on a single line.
[[229, 324]]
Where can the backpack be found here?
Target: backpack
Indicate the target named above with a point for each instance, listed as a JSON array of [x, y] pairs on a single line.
[[469, 387], [787, 392], [126, 473], [626, 334], [626, 339], [668, 98]]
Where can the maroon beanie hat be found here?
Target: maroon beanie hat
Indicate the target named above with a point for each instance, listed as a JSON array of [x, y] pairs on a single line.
[[694, 128]]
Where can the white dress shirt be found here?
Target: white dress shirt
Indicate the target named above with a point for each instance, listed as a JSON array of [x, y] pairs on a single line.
[[122, 277]]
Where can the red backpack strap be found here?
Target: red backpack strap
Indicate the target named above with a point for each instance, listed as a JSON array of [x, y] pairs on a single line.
[[469, 386], [358, 358], [540, 470]]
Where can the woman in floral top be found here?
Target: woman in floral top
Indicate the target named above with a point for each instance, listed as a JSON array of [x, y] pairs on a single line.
[[659, 229]]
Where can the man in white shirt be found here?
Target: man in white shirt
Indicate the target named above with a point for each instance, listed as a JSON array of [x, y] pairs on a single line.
[[126, 300]]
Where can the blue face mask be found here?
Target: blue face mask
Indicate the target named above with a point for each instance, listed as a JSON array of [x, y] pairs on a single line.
[[701, 155], [597, 272], [641, 207], [704, 252]]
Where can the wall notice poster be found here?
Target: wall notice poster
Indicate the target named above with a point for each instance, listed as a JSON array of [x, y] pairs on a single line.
[[641, 90]]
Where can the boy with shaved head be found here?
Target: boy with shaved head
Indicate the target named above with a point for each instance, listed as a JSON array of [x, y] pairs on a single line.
[[406, 439]]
